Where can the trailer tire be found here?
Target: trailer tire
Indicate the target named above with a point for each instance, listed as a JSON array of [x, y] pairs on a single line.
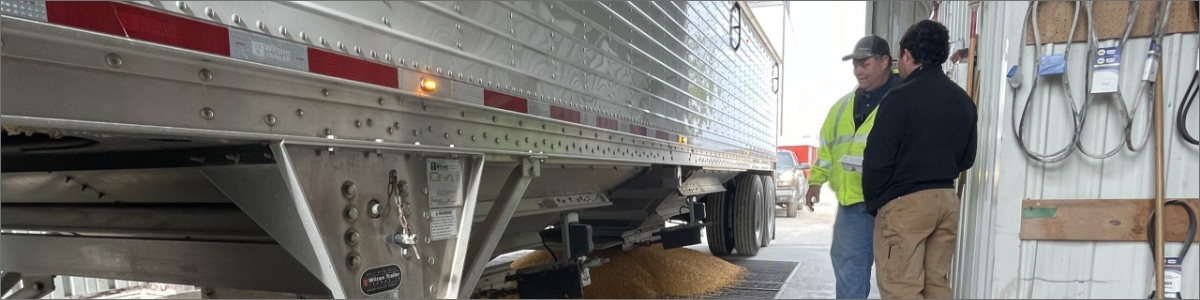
[[747, 215], [768, 203], [716, 227]]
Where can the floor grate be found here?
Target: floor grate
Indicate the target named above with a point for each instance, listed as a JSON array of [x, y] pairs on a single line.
[[767, 279]]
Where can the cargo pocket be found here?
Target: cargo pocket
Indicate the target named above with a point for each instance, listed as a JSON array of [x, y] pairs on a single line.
[[892, 248]]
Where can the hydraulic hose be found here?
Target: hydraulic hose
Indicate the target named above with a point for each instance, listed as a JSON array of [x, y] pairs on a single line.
[[1189, 95], [1018, 127], [1187, 241]]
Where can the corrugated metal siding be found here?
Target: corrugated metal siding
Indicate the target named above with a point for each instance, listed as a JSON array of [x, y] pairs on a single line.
[[889, 19], [993, 261]]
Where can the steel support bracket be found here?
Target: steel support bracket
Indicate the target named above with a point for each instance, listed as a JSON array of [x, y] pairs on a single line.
[[8, 280], [483, 241], [35, 287]]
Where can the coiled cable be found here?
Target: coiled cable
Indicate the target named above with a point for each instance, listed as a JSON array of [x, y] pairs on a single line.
[[1018, 127], [1187, 241], [1189, 95], [1122, 109], [1189, 98], [1161, 18]]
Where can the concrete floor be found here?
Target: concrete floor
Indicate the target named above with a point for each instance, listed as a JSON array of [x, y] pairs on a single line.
[[805, 239]]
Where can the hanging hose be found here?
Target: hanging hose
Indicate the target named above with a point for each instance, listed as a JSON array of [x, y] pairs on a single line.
[[1187, 241], [1019, 127], [1189, 95]]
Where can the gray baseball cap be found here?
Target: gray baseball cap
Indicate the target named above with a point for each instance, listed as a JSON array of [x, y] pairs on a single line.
[[869, 46]]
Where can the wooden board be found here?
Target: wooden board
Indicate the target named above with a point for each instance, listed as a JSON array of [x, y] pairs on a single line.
[[1054, 20], [1098, 220]]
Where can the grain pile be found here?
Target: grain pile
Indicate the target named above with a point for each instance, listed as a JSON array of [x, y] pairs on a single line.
[[651, 272]]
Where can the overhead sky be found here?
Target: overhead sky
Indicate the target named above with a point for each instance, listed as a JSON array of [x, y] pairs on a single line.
[[814, 74]]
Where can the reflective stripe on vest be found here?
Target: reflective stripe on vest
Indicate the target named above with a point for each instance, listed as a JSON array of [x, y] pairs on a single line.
[[845, 183]]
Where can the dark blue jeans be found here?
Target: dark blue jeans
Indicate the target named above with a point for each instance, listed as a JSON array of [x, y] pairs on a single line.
[[852, 251]]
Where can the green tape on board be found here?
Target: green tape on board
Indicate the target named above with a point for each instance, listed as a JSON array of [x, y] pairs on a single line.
[[1039, 212]]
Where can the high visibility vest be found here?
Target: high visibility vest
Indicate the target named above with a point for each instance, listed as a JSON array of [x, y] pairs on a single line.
[[839, 139]]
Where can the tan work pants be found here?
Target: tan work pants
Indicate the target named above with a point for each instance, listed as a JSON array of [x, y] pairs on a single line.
[[914, 243]]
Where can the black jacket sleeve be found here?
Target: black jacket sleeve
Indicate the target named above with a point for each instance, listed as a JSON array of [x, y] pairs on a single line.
[[967, 158], [879, 157]]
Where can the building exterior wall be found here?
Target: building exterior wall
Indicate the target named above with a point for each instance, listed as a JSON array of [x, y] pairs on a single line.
[[994, 262]]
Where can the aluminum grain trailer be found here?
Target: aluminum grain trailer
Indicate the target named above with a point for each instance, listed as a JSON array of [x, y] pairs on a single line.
[[376, 149]]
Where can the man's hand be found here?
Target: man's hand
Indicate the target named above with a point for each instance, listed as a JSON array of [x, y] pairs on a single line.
[[812, 197]]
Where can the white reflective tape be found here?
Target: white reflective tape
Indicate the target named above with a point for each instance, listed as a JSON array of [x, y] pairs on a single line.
[[538, 108], [838, 141], [587, 119], [623, 127], [29, 10], [267, 50], [821, 163], [466, 92]]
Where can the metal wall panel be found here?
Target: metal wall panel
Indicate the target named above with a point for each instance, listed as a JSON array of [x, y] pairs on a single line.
[[994, 262], [889, 19]]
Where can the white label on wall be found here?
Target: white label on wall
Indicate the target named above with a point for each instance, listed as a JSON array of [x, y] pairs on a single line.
[[1173, 276], [445, 182], [444, 224], [1106, 75]]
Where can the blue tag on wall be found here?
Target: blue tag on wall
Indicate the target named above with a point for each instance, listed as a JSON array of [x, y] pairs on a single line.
[[1052, 65]]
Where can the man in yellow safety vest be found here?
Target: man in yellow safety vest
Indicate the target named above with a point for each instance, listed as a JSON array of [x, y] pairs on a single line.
[[839, 162]]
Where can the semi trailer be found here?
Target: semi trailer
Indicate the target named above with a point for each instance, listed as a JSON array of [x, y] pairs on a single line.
[[377, 149]]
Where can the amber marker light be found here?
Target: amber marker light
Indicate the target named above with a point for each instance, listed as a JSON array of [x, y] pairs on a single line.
[[428, 85]]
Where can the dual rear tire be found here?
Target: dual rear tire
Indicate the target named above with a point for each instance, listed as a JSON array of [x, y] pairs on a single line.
[[741, 218]]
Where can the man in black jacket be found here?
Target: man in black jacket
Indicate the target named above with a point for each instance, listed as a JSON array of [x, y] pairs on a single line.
[[924, 136]]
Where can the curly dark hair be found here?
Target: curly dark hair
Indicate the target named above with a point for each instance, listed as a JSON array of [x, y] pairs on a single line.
[[928, 41]]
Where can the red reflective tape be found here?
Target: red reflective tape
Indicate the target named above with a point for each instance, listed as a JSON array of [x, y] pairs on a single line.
[[559, 113], [505, 102], [345, 67], [662, 135], [607, 123], [98, 16], [141, 24], [637, 129]]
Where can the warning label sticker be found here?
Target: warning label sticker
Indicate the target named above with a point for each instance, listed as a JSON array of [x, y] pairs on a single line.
[[445, 182], [444, 223]]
